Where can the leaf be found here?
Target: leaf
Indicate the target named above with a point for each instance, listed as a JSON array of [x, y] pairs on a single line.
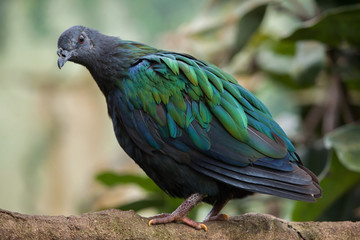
[[338, 181], [346, 142], [334, 27], [111, 179], [142, 204], [248, 25]]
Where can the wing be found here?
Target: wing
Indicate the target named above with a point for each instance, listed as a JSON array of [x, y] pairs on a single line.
[[177, 103]]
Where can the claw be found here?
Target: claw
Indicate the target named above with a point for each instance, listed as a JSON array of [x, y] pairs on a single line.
[[223, 217], [220, 217], [204, 227], [150, 222], [193, 224]]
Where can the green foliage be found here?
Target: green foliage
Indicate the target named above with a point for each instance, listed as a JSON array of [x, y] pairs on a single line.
[[346, 142], [111, 179], [248, 25], [295, 64], [333, 28]]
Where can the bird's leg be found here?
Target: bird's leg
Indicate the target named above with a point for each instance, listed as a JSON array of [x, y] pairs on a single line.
[[181, 212], [214, 215]]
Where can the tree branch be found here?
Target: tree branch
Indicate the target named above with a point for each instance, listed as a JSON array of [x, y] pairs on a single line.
[[116, 224]]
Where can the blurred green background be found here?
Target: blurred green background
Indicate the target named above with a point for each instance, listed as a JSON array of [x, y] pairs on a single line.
[[58, 153]]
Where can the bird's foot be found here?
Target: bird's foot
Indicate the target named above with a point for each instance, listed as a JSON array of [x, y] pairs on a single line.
[[179, 215], [219, 217], [167, 218]]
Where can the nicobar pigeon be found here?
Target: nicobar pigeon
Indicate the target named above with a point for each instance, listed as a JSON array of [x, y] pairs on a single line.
[[190, 126]]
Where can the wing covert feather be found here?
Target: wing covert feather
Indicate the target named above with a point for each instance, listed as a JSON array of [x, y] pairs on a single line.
[[171, 80]]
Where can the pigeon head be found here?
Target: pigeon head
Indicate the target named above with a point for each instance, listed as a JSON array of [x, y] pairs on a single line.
[[77, 44]]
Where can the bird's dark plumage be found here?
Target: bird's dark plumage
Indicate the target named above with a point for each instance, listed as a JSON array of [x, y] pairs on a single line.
[[190, 126]]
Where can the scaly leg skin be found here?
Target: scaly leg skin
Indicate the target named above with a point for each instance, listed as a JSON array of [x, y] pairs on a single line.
[[179, 215], [214, 215]]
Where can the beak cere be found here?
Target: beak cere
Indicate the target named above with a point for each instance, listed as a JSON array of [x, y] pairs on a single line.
[[64, 55]]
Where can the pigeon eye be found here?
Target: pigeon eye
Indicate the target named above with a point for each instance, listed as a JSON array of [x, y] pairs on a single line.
[[81, 39]]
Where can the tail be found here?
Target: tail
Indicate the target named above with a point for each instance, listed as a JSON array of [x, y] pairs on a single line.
[[297, 184]]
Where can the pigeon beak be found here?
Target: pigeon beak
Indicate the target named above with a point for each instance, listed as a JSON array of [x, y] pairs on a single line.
[[64, 55]]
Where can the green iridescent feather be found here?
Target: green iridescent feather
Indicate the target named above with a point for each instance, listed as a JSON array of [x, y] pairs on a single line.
[[186, 86]]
